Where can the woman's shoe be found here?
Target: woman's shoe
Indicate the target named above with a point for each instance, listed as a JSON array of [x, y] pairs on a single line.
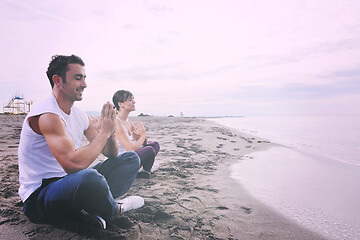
[[143, 174], [154, 167]]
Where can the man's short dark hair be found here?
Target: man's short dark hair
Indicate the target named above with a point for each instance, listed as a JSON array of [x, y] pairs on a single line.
[[59, 66]]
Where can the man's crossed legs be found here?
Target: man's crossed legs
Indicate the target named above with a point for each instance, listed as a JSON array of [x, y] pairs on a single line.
[[89, 193]]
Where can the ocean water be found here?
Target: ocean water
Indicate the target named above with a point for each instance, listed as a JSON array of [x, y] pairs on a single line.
[[315, 179], [335, 137]]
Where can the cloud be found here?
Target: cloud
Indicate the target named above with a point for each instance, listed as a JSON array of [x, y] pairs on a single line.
[[22, 10], [352, 75], [181, 56]]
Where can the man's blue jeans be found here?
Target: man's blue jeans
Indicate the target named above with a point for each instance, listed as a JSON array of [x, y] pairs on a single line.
[[92, 189]]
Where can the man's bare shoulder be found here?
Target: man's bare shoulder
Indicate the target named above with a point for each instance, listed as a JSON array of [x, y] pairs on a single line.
[[46, 123]]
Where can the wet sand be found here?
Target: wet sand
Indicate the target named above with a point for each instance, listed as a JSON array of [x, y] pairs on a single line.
[[320, 194], [191, 196]]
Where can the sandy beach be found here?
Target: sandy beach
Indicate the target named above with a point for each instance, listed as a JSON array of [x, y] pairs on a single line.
[[191, 196]]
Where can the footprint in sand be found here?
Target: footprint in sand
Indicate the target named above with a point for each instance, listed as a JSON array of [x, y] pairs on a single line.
[[246, 210], [222, 208]]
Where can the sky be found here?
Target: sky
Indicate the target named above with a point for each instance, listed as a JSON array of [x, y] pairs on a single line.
[[199, 57]]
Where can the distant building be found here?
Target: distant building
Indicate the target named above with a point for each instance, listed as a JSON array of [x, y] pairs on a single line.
[[17, 105]]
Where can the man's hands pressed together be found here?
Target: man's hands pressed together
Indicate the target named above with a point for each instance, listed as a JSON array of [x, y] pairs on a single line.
[[107, 122]]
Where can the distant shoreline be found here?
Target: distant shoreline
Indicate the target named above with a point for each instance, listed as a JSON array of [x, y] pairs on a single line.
[[96, 114], [222, 117]]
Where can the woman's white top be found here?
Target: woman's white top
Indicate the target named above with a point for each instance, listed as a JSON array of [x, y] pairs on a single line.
[[121, 148]]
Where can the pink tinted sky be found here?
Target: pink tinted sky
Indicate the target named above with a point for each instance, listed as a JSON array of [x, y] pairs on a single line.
[[201, 57]]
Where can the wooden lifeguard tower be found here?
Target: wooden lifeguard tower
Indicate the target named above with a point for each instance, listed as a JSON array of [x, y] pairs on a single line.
[[17, 105]]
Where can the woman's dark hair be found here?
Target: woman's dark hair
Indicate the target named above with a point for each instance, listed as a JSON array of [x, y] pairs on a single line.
[[59, 66], [121, 96]]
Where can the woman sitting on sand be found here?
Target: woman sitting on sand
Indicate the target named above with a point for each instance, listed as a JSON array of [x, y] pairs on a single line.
[[132, 137]]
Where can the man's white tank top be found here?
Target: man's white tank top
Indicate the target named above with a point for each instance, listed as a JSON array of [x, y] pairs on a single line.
[[36, 161]]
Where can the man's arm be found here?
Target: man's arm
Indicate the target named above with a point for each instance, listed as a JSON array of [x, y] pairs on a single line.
[[110, 149], [62, 146]]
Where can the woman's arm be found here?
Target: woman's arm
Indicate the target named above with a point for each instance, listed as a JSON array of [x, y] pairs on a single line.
[[124, 140], [135, 132]]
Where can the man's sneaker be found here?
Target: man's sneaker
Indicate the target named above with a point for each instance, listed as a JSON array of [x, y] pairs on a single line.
[[143, 174], [92, 219], [130, 203]]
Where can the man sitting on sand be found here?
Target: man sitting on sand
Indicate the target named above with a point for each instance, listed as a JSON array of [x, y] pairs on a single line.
[[55, 181]]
